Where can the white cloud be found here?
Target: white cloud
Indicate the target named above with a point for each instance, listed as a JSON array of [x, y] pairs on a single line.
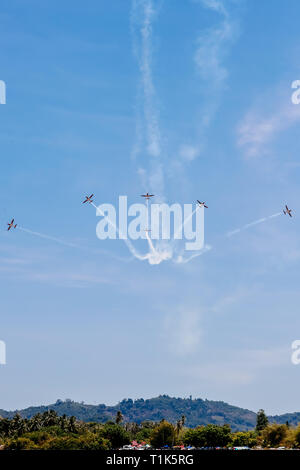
[[188, 153], [228, 301], [212, 48], [213, 45], [240, 367], [259, 129], [183, 332]]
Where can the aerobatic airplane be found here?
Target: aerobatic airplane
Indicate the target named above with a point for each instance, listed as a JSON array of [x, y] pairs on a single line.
[[11, 225], [147, 195], [88, 199], [287, 211], [202, 204]]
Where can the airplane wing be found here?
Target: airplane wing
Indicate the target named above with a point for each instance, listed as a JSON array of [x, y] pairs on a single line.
[[9, 227], [290, 214], [206, 206], [91, 195], [286, 207]]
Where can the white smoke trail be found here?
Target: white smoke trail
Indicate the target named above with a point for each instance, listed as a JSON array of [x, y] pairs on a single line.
[[148, 133], [142, 14], [155, 255], [181, 260], [184, 223], [130, 246], [70, 244], [256, 222], [48, 237], [209, 58], [179, 231], [275, 215], [233, 232], [150, 243]]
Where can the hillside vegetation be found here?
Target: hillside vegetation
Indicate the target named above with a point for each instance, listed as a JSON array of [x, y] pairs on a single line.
[[196, 411]]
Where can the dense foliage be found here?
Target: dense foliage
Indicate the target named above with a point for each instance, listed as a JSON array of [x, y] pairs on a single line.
[[210, 435], [49, 431]]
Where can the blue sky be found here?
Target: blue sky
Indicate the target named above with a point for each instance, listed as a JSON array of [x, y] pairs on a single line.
[[187, 99]]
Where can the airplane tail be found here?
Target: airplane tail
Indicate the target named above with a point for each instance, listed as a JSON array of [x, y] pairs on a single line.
[[15, 225]]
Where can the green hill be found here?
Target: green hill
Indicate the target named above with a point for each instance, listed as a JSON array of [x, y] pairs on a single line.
[[196, 411]]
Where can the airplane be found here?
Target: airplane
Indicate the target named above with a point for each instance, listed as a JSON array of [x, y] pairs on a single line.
[[202, 204], [11, 225], [147, 195], [88, 199], [287, 211]]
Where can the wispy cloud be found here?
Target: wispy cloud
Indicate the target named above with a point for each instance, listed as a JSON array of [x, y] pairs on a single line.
[[183, 331], [188, 152], [242, 367], [68, 278], [222, 305], [213, 46], [258, 129], [214, 43]]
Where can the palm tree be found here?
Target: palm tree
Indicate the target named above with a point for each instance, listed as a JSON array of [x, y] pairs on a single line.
[[17, 425], [72, 424], [179, 426], [63, 422], [119, 417], [36, 422]]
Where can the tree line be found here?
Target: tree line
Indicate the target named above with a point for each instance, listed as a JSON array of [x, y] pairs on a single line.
[[49, 431]]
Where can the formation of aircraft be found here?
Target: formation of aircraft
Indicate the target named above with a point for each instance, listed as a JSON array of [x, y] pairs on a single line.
[[147, 195], [11, 224], [287, 211], [88, 199], [202, 204]]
